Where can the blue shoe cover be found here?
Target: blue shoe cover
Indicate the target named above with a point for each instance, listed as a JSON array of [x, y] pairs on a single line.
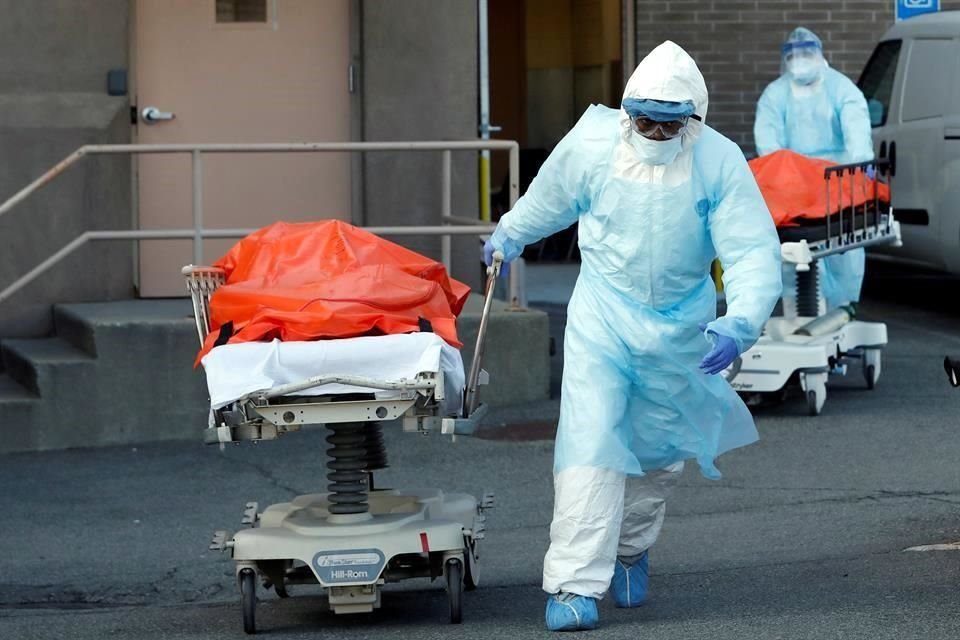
[[570, 612], [630, 582]]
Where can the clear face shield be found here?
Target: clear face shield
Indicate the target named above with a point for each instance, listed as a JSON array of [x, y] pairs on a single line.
[[803, 61]]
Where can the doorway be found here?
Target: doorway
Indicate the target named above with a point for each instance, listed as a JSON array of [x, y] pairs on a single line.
[[549, 61]]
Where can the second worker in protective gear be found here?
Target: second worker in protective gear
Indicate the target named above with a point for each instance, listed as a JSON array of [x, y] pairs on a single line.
[[658, 195], [817, 111]]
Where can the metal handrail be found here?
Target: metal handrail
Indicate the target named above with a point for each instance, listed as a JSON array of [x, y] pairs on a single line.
[[450, 225]]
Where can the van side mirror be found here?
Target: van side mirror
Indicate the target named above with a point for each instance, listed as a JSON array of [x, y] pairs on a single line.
[[876, 112]]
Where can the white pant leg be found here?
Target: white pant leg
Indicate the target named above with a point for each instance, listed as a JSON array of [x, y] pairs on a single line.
[[644, 507], [588, 508]]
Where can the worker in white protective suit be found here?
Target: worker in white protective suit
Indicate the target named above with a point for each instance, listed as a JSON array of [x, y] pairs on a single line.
[[658, 195], [819, 112]]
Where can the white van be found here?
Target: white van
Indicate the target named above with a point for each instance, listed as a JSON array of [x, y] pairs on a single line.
[[912, 86]]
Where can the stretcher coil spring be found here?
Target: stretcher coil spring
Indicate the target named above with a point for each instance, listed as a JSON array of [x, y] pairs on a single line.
[[348, 469], [808, 294], [376, 449]]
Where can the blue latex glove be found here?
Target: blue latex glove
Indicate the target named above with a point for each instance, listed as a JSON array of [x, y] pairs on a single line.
[[722, 355], [488, 259], [872, 172]]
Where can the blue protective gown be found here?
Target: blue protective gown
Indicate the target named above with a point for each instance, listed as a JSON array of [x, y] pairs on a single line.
[[633, 397], [828, 120], [652, 216]]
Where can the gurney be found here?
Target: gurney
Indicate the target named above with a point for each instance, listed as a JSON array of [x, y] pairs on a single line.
[[354, 538], [806, 345]]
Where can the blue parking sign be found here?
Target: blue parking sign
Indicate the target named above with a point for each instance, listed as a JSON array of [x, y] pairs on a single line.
[[910, 8]]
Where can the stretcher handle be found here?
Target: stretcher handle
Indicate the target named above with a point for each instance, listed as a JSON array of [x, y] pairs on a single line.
[[471, 399], [202, 282]]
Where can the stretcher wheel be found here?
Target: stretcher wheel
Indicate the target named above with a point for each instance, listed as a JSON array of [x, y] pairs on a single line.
[[471, 579], [454, 573], [812, 407], [248, 600], [281, 591], [870, 373]]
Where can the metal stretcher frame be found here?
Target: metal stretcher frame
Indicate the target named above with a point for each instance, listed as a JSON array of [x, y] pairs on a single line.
[[840, 230], [883, 226], [266, 414]]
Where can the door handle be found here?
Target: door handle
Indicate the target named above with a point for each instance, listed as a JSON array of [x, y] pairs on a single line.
[[152, 114]]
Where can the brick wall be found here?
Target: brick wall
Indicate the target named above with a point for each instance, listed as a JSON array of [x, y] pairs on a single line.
[[736, 44]]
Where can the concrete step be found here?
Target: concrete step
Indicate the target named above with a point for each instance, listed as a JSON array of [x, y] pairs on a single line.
[[80, 324], [37, 364], [19, 409], [12, 392], [74, 328]]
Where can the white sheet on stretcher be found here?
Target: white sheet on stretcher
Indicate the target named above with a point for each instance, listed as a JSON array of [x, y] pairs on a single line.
[[235, 370]]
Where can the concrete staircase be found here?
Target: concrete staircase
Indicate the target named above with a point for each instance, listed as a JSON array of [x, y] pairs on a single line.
[[122, 373], [114, 373]]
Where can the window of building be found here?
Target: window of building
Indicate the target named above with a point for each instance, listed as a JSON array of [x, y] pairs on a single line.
[[241, 11]]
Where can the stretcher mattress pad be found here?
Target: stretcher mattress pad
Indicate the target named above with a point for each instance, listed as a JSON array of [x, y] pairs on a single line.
[[236, 370]]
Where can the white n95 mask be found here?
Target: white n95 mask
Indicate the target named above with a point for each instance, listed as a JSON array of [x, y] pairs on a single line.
[[656, 151]]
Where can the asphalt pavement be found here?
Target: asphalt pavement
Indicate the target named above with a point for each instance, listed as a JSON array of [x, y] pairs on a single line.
[[805, 536]]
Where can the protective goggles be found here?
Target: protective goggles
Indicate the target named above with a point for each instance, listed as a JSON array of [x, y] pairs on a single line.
[[651, 116], [648, 127]]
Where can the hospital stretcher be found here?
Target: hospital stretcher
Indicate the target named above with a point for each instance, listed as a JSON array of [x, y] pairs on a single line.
[[806, 345], [354, 538]]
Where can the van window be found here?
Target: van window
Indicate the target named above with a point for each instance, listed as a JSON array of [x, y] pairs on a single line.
[[876, 81], [929, 78]]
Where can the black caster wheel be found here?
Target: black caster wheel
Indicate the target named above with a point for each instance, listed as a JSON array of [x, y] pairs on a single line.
[[812, 407], [454, 573], [248, 600], [870, 373], [471, 578]]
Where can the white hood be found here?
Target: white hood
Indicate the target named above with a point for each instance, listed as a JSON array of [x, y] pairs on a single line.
[[668, 73]]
